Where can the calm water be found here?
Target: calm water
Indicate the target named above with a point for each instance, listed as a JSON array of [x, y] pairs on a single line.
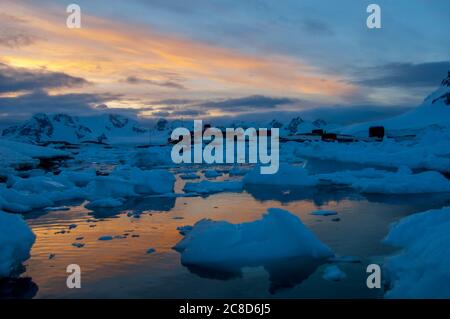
[[121, 268]]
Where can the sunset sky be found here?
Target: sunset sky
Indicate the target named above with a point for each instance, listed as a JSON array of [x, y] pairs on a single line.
[[203, 58]]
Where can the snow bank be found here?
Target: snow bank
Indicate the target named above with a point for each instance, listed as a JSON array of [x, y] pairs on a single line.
[[430, 149], [277, 235], [383, 182], [287, 175], [16, 240], [422, 269], [208, 187]]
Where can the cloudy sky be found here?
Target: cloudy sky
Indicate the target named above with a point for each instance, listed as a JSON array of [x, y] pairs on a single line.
[[204, 58]]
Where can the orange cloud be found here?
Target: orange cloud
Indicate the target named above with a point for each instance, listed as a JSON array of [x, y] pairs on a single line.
[[106, 52]]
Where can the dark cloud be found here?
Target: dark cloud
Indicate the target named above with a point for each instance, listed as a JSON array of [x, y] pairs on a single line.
[[405, 74], [161, 114], [167, 84], [249, 102], [177, 112], [343, 115], [14, 32], [174, 102], [189, 113], [20, 79], [317, 27], [40, 102], [17, 40]]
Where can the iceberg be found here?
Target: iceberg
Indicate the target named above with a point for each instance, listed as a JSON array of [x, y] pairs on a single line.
[[278, 235], [333, 273], [287, 175], [208, 187], [422, 268], [16, 240]]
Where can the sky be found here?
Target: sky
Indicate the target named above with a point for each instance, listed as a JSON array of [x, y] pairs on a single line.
[[221, 58]]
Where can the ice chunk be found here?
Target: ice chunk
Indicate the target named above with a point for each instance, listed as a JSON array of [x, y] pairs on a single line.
[[189, 176], [106, 238], [21, 202], [422, 269], [16, 240], [287, 175], [211, 173], [104, 203], [333, 273], [237, 171], [208, 187], [277, 235], [157, 181], [110, 187]]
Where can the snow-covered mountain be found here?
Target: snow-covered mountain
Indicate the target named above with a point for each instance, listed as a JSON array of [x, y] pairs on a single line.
[[298, 125], [105, 128], [114, 128], [434, 111]]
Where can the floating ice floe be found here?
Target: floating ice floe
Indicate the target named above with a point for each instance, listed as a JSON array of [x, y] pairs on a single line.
[[189, 176], [383, 182], [105, 203], [238, 171], [422, 268], [209, 187], [20, 155], [153, 156], [16, 240], [21, 202], [156, 181], [276, 236], [333, 273], [211, 173], [287, 175], [106, 238]]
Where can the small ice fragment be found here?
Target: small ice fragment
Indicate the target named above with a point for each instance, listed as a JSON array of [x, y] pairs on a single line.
[[151, 251], [189, 176], [333, 273], [105, 238], [183, 230], [78, 245], [324, 213], [212, 173]]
